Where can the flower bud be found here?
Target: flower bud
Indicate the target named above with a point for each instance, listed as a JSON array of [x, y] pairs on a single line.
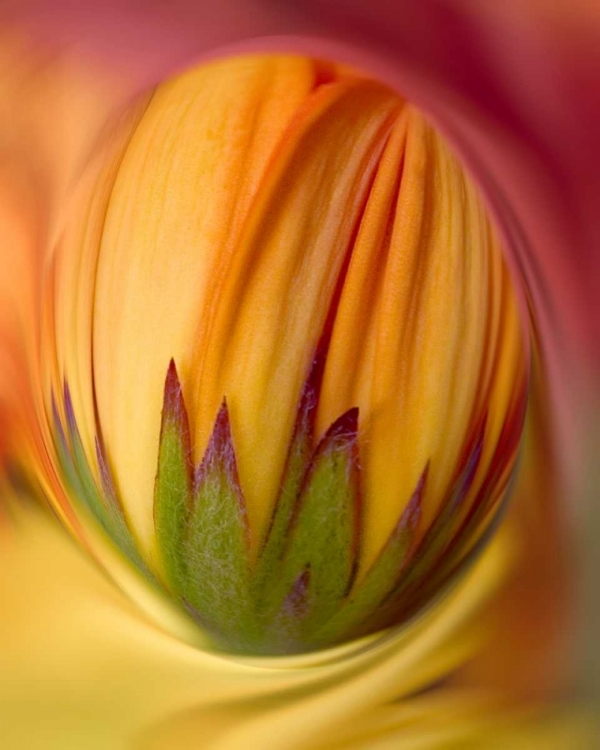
[[285, 367]]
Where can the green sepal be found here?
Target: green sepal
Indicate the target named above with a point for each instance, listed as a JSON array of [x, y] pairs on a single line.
[[118, 528], [440, 534], [407, 596], [382, 577], [461, 546], [173, 483], [216, 543], [493, 486], [286, 631], [75, 465], [322, 541], [300, 452]]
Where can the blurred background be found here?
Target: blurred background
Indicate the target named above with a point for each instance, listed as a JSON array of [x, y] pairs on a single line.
[[515, 89]]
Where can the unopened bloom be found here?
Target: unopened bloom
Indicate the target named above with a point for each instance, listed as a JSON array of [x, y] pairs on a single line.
[[284, 361]]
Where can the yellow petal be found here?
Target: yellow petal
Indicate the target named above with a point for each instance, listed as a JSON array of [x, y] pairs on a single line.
[[271, 307], [71, 281], [426, 336], [73, 651], [180, 197], [52, 106]]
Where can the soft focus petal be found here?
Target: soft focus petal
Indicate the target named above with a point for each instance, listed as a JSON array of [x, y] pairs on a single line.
[[52, 107], [510, 85], [68, 672], [70, 682]]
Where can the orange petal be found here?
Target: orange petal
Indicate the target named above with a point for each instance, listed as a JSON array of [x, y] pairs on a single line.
[[180, 198], [421, 332]]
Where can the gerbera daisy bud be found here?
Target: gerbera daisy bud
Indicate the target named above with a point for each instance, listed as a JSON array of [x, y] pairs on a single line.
[[286, 368]]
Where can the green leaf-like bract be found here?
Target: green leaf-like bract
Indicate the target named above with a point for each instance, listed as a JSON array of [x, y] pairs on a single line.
[[173, 484], [382, 577], [215, 544], [297, 463], [200, 522], [101, 501], [302, 591], [314, 575]]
